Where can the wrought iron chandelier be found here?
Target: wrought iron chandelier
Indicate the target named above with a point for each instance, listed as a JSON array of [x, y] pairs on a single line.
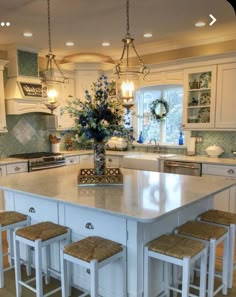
[[51, 82], [126, 72]]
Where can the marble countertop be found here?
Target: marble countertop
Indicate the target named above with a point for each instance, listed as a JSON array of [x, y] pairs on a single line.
[[178, 157], [145, 196], [6, 161], [197, 158]]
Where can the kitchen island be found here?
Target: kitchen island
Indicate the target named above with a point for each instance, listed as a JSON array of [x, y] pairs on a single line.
[[146, 205]]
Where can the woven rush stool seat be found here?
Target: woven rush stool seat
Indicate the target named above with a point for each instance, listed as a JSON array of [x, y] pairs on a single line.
[[39, 236], [211, 235], [9, 221], [176, 250], [93, 253], [228, 220]]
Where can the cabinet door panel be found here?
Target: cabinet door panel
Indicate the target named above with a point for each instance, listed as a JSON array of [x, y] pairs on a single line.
[[226, 89], [38, 209]]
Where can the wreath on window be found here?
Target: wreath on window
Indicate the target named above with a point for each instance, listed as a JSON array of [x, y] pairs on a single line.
[[159, 109]]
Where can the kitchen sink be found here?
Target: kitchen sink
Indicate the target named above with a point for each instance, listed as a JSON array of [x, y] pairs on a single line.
[[148, 162]]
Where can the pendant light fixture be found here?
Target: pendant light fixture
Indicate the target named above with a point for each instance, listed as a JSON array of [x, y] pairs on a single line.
[[52, 82], [129, 74]]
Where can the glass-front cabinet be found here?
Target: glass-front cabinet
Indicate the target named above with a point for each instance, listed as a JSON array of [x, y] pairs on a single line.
[[199, 97]]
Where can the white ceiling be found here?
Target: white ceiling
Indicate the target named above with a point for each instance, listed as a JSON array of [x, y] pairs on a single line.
[[90, 22]]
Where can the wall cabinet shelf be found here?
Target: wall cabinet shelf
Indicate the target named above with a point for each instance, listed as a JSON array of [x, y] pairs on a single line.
[[199, 97]]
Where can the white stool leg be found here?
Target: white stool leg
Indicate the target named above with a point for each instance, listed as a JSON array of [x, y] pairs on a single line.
[[47, 260], [185, 277], [17, 267], [203, 274], [211, 269], [38, 268], [166, 278], [11, 246], [94, 278], [64, 275], [146, 272], [175, 278], [225, 265], [231, 255], [1, 263], [123, 259], [28, 261]]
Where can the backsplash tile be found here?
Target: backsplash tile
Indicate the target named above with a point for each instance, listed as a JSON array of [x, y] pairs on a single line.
[[26, 133], [224, 139]]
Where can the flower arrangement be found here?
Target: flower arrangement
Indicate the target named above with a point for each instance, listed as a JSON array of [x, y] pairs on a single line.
[[97, 117]]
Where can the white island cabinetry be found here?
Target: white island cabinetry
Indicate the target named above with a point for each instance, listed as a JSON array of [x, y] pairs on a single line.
[[225, 200], [134, 213]]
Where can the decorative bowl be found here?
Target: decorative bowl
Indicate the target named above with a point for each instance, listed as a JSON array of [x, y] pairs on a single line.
[[214, 151]]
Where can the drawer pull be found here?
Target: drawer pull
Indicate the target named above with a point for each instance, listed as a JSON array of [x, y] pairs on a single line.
[[17, 168], [89, 226], [32, 209], [72, 161], [231, 171]]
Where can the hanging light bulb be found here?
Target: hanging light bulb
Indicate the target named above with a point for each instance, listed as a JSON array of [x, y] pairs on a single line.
[[127, 73], [51, 84]]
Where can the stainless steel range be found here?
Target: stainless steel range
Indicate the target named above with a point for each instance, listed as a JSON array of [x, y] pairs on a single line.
[[42, 160]]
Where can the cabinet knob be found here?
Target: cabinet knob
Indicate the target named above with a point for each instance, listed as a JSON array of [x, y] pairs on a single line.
[[72, 161], [17, 168], [32, 210], [89, 225], [231, 171], [110, 160]]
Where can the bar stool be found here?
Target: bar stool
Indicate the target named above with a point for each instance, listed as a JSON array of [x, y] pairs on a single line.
[[38, 236], [9, 221], [177, 250], [226, 219], [92, 253], [211, 235]]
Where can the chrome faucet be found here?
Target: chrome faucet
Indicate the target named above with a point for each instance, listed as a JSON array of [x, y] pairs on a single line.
[[156, 148]]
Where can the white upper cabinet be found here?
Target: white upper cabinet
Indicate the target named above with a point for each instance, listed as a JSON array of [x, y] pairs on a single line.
[[3, 124], [199, 97], [226, 97]]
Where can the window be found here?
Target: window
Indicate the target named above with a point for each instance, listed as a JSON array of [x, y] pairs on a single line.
[[166, 131]]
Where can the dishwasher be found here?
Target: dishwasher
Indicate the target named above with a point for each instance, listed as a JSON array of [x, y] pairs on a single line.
[[184, 168]]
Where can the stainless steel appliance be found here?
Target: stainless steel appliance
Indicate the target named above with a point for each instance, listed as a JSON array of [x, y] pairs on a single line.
[[185, 168], [42, 160]]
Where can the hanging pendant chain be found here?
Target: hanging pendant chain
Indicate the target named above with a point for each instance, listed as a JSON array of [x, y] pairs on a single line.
[[127, 18], [49, 29]]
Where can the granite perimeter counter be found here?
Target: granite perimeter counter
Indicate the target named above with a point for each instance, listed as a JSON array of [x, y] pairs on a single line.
[[146, 205]]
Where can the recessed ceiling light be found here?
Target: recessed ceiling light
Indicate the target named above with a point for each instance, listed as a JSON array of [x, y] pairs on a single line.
[[200, 24], [27, 34], [106, 43], [147, 35], [8, 24], [70, 43]]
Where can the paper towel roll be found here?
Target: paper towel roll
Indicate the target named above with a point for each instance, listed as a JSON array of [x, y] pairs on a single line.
[[191, 146]]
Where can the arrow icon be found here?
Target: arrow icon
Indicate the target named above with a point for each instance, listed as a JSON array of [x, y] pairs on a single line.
[[213, 19]]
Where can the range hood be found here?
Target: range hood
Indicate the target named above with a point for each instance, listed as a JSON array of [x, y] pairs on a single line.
[[24, 95], [23, 90]]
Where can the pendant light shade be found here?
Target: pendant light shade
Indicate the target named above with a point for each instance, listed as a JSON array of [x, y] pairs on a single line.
[[127, 70], [52, 78]]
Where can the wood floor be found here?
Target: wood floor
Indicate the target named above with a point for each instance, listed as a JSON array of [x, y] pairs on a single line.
[[9, 289]]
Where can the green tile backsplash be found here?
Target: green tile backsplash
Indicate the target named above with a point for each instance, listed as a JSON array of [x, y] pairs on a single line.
[[224, 139], [26, 133], [27, 63]]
